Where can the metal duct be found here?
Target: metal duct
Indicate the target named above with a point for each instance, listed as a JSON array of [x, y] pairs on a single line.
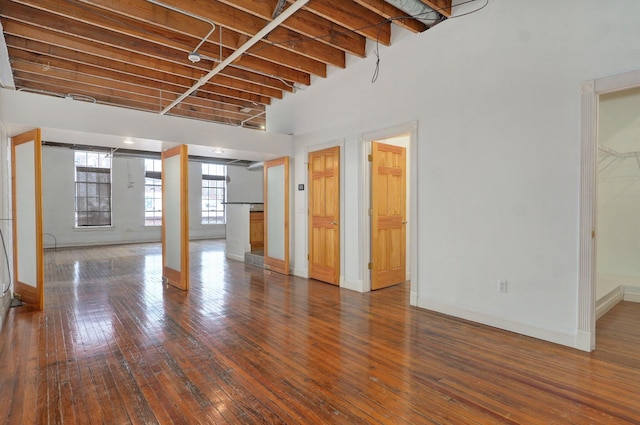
[[255, 166], [418, 10]]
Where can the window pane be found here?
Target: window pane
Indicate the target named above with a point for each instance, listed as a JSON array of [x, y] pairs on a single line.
[[213, 193], [93, 188], [104, 190], [81, 189], [82, 219], [105, 204], [152, 193], [81, 203], [104, 218], [81, 159]]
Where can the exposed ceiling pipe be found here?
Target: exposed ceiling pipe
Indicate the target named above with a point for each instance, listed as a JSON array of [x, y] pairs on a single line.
[[193, 55], [256, 166], [235, 55], [278, 9], [417, 10]]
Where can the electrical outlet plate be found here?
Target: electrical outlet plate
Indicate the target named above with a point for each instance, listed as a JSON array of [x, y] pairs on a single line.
[[502, 286]]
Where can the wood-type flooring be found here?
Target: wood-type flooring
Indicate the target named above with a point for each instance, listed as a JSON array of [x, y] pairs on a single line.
[[115, 346]]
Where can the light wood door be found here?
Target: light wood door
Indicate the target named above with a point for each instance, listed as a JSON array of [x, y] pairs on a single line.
[[276, 215], [28, 252], [388, 215], [324, 215], [175, 217]]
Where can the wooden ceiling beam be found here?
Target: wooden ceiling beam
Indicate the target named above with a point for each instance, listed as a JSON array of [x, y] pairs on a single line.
[[142, 78], [109, 40], [388, 11], [441, 6], [20, 68], [156, 18], [198, 114], [65, 86], [84, 63], [308, 24], [249, 25], [110, 79], [352, 15], [44, 88], [160, 94], [35, 82], [125, 67]]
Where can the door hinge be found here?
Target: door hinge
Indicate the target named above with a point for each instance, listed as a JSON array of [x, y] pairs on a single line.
[[370, 157], [370, 266], [370, 211], [308, 258], [593, 234]]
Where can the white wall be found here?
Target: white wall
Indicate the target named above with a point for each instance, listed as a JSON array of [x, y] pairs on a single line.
[[245, 185], [497, 99]]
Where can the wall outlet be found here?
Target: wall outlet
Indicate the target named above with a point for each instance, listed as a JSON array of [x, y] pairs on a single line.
[[503, 286]]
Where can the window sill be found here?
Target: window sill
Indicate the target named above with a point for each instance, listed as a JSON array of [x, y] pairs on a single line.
[[94, 229]]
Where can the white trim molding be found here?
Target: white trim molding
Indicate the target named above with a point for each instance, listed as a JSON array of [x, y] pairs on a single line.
[[562, 338], [606, 303], [620, 293]]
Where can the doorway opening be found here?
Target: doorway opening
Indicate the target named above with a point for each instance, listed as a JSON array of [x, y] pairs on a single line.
[[618, 199], [592, 92], [403, 137]]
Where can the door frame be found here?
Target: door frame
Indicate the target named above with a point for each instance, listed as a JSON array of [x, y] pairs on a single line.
[[177, 278], [410, 128], [271, 263], [315, 148], [587, 272], [28, 292]]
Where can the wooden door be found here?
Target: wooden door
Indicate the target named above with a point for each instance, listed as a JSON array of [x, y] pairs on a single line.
[[175, 217], [388, 215], [276, 215], [28, 252], [324, 215]]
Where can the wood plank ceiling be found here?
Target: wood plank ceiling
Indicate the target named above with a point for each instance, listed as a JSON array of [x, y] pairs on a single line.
[[134, 53]]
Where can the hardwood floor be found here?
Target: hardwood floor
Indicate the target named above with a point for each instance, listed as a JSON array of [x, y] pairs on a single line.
[[114, 346]]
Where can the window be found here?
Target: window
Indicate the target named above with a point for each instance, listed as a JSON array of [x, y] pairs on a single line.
[[93, 189], [153, 192], [214, 188]]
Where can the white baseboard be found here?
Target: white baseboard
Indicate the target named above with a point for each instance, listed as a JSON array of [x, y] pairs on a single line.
[[621, 293], [413, 298], [357, 286], [606, 303], [235, 257], [631, 293], [301, 273], [584, 341], [570, 340]]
